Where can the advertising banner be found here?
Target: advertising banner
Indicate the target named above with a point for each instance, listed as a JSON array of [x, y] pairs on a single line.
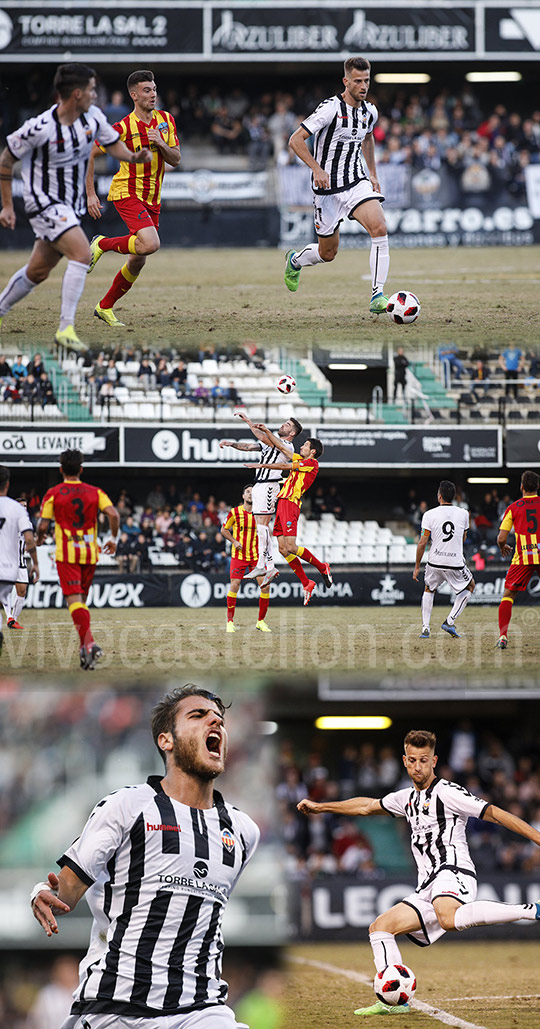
[[342, 907], [523, 446], [112, 591], [43, 444]]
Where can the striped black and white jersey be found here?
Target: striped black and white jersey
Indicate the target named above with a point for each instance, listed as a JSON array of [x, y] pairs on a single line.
[[339, 130], [55, 157], [14, 520], [446, 525], [160, 874], [437, 819], [272, 455]]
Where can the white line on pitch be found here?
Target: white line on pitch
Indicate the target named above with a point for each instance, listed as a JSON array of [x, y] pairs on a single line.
[[356, 977], [511, 996]]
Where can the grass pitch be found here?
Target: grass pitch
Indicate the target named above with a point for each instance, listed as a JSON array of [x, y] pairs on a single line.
[[373, 644], [487, 985], [214, 296]]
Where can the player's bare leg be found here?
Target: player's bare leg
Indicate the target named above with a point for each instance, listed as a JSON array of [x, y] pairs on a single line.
[[371, 217], [288, 549], [140, 246], [506, 607], [453, 915], [382, 936]]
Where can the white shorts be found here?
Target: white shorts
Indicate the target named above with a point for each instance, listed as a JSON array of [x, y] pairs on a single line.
[[51, 223], [264, 497], [448, 883], [23, 576], [329, 209], [217, 1017], [457, 578]]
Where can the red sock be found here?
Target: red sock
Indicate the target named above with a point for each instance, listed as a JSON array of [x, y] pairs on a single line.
[[121, 284], [306, 555], [264, 601], [231, 605], [505, 614], [120, 244], [294, 564], [81, 618]]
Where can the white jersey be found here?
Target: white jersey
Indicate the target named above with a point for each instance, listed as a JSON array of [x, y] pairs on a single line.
[[55, 157], [272, 455], [446, 525], [13, 521], [437, 819], [162, 872], [339, 130]]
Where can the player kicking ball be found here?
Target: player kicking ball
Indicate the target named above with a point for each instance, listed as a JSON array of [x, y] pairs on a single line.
[[446, 526], [240, 528], [445, 897], [343, 179], [523, 518]]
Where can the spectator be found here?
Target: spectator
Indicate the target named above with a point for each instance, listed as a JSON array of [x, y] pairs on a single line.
[[6, 376], [45, 392], [400, 367], [512, 362], [232, 394], [35, 367], [200, 394], [179, 378], [226, 131], [18, 369], [448, 355]]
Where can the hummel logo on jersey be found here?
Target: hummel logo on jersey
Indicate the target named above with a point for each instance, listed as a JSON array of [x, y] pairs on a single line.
[[200, 869], [162, 828], [227, 839]]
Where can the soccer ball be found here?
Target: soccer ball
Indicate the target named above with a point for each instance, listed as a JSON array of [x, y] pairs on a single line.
[[403, 307], [286, 384], [395, 985]]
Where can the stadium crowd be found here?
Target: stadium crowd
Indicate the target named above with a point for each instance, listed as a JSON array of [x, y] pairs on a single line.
[[505, 772], [25, 381]]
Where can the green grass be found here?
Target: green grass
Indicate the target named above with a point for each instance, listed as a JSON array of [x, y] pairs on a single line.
[[213, 296]]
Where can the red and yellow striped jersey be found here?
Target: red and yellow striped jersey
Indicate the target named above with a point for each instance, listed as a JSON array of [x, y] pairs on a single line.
[[142, 180], [303, 474], [242, 525], [74, 507], [523, 516]]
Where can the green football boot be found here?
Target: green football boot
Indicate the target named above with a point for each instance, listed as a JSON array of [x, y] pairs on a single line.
[[378, 304], [383, 1009], [292, 274]]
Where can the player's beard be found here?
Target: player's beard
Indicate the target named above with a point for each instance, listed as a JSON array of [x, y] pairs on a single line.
[[186, 758]]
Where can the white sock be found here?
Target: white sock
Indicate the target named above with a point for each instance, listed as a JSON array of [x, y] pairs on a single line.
[[72, 286], [460, 603], [308, 255], [17, 607], [490, 912], [6, 604], [269, 555], [379, 262], [385, 950], [262, 538], [19, 286], [427, 608]]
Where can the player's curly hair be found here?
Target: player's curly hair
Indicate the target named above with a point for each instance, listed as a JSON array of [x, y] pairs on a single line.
[[164, 712], [420, 738]]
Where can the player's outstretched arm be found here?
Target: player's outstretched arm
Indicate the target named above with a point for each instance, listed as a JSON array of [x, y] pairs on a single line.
[[420, 548], [114, 525], [297, 143], [272, 440], [509, 821], [7, 213], [282, 466], [30, 544], [354, 806], [58, 896], [238, 444], [93, 202]]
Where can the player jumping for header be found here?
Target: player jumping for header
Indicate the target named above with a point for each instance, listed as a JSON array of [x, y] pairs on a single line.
[[447, 526], [344, 179], [523, 517], [437, 811]]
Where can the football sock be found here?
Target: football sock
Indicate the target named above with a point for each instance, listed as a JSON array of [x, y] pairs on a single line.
[[306, 555], [72, 286], [505, 614], [120, 244], [17, 607], [385, 950], [231, 605], [427, 608], [265, 544], [81, 618], [379, 262], [490, 912], [460, 603], [122, 282], [269, 553], [264, 601], [19, 286], [294, 564], [308, 255]]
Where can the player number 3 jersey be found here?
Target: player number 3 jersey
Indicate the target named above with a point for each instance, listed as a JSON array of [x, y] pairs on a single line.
[[338, 131], [437, 819], [446, 525]]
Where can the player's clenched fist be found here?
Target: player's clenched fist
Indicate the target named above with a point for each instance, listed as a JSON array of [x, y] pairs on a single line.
[[143, 156], [308, 807], [45, 901]]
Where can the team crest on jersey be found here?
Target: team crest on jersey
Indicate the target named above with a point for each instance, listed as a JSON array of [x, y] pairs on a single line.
[[425, 807], [162, 126], [227, 839]]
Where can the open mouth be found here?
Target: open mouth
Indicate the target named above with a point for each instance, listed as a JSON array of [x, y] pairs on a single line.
[[213, 743]]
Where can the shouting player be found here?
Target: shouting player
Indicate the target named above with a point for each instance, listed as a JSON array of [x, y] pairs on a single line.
[[240, 528], [135, 192], [54, 149], [267, 483], [437, 811], [523, 517], [74, 507], [14, 603], [157, 862], [446, 526], [343, 179], [303, 469], [14, 524]]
